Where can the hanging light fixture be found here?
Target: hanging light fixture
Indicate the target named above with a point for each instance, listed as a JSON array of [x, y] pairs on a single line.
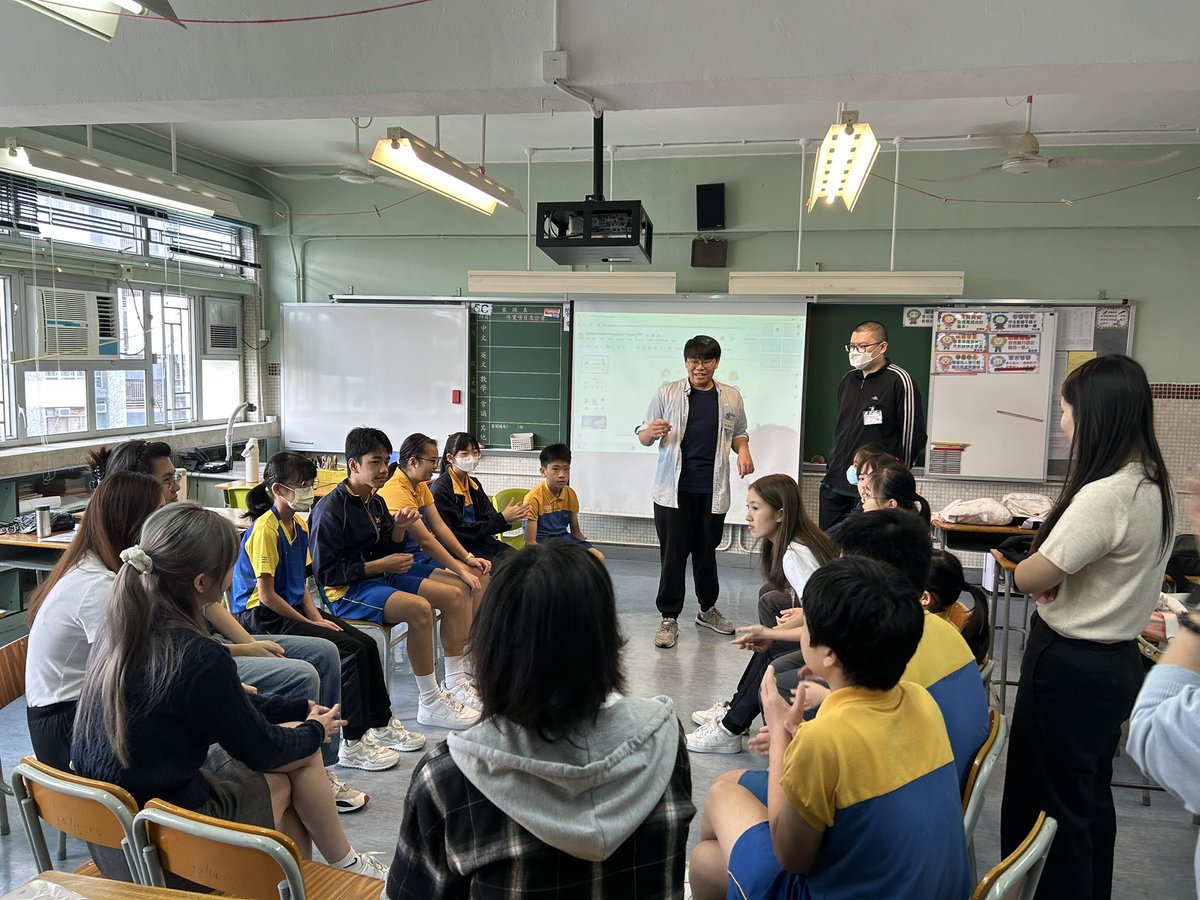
[[403, 153], [844, 161], [99, 18]]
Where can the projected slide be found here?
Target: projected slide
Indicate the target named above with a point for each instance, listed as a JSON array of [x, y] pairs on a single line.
[[622, 353]]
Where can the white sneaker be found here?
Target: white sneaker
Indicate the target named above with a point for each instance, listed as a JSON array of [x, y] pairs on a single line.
[[712, 738], [367, 864], [465, 693], [346, 798], [716, 711], [366, 754], [446, 712], [396, 736]]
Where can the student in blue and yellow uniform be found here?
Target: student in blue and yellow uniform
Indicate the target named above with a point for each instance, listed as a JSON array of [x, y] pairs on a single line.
[[846, 815], [465, 507], [270, 596], [553, 504]]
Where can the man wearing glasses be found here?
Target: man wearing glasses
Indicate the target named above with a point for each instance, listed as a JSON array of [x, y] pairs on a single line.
[[697, 421], [878, 403]]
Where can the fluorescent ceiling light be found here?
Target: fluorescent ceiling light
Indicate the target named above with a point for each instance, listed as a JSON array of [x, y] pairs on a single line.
[[172, 192], [406, 155], [849, 284], [100, 18], [571, 282], [844, 162]]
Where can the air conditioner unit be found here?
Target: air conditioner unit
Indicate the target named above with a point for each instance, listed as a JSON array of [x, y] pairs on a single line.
[[77, 324], [222, 322]]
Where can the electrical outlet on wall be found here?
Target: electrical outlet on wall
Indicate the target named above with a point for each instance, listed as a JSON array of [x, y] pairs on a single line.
[[126, 273]]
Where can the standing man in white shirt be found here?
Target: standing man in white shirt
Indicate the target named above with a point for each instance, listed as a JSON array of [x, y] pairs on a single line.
[[697, 422]]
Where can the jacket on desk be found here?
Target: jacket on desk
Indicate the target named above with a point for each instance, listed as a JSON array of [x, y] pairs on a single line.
[[487, 521]]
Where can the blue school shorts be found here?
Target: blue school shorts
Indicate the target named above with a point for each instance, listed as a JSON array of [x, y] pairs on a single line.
[[755, 781], [366, 599], [587, 545], [755, 874], [424, 565]]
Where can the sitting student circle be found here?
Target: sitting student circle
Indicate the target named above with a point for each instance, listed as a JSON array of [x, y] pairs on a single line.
[[553, 504], [159, 694]]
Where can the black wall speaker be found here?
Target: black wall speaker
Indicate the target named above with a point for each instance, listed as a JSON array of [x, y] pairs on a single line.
[[710, 207], [709, 254]]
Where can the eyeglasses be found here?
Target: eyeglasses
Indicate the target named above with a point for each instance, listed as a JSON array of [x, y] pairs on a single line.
[[431, 459], [850, 348], [172, 477], [701, 363]]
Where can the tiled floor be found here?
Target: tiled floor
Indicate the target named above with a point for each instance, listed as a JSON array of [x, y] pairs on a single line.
[[1154, 844]]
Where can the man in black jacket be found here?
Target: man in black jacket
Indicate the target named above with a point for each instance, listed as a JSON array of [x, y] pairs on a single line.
[[878, 403]]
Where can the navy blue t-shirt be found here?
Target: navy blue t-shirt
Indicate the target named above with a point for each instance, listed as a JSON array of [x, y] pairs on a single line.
[[699, 444]]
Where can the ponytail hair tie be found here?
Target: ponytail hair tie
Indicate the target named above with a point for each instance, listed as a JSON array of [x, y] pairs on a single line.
[[138, 558]]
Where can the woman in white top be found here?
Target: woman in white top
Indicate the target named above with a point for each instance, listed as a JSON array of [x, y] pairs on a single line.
[[67, 609], [1095, 573], [793, 547]]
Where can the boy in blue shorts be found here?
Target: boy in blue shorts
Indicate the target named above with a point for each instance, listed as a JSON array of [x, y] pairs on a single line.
[[553, 504], [362, 575], [862, 800]]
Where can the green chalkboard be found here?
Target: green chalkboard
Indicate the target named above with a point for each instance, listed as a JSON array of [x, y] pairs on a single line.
[[829, 329], [520, 371]]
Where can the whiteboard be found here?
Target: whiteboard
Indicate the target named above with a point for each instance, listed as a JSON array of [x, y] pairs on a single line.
[[624, 349], [392, 366], [1003, 418]]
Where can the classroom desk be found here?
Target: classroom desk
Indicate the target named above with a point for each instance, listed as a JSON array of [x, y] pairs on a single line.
[[97, 888], [231, 487], [981, 538], [1004, 572]]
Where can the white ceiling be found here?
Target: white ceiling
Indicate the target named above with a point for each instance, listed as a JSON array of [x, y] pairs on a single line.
[[670, 71]]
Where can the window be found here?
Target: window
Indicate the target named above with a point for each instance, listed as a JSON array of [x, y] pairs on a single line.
[[171, 343], [55, 405], [7, 419], [120, 398]]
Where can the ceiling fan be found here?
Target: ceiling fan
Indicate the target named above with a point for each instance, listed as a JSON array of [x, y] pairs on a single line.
[[355, 169], [1025, 154]]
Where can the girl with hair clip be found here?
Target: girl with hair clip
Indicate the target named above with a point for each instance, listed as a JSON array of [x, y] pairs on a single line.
[[465, 507], [890, 485], [946, 582], [271, 596], [566, 787], [1095, 572], [793, 547], [66, 611], [159, 692]]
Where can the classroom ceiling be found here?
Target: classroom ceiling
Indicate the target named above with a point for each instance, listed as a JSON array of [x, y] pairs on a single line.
[[669, 72]]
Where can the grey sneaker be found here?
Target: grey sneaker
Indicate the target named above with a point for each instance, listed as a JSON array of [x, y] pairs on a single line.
[[712, 618], [668, 633]]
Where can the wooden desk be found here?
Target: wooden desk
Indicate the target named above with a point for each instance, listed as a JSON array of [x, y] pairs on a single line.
[[319, 490], [1004, 572], [105, 889], [30, 541], [957, 536]]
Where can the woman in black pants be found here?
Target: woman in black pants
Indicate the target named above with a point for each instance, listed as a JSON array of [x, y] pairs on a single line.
[[1095, 574]]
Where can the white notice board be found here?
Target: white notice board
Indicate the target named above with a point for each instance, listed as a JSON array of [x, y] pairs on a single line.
[[393, 366], [990, 404]]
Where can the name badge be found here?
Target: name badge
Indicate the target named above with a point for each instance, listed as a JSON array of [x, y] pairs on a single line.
[[872, 416]]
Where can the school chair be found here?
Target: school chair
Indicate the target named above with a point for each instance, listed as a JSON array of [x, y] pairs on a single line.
[[514, 537], [978, 778], [12, 686], [235, 859], [1016, 877], [93, 811]]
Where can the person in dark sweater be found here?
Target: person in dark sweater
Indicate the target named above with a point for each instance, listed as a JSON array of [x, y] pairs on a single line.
[[464, 506], [159, 692], [878, 402]]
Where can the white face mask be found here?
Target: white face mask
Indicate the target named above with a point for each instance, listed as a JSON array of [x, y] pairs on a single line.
[[466, 463], [860, 359], [302, 499], [852, 475]]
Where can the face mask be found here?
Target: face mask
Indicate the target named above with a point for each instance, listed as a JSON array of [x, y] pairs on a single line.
[[302, 499], [860, 359], [466, 463], [852, 475]]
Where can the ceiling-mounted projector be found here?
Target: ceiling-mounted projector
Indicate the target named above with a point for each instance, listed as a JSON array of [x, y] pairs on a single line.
[[595, 232]]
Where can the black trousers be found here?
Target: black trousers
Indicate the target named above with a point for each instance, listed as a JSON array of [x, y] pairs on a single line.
[[833, 507], [745, 704], [693, 530], [365, 700], [50, 730], [1072, 698]]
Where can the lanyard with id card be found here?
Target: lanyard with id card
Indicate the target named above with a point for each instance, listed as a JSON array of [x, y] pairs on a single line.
[[873, 416]]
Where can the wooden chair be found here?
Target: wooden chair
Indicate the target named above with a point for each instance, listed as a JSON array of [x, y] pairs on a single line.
[[235, 859], [1016, 877], [978, 777], [514, 537], [93, 811], [12, 686]]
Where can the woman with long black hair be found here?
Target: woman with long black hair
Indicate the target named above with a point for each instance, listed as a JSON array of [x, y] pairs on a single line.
[[1095, 573]]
